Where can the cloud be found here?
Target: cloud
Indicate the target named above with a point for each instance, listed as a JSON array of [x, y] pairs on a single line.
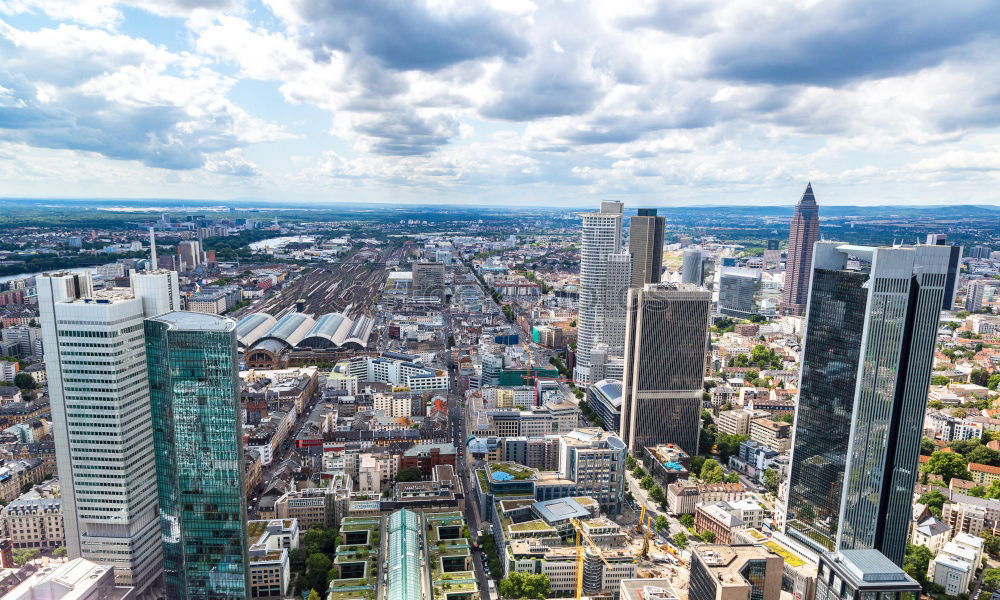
[[406, 133], [835, 42], [405, 35], [114, 97], [231, 162]]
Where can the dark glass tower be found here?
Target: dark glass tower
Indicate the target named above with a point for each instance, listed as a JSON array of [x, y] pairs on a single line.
[[666, 338], [866, 366], [193, 380], [645, 244], [803, 233]]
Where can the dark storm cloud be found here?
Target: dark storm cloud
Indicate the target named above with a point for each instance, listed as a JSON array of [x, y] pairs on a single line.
[[832, 43], [407, 35]]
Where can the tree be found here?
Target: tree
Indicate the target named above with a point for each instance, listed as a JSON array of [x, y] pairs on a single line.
[[934, 500], [522, 585], [630, 462], [25, 381], [771, 480], [711, 472], [656, 495], [408, 474], [916, 560], [994, 490], [787, 418], [728, 445], [59, 551], [993, 382], [24, 555], [680, 539], [708, 536], [991, 579], [927, 446], [317, 566], [314, 595], [991, 543], [647, 483], [662, 524], [949, 465], [984, 456], [979, 377], [978, 491], [940, 380], [687, 520], [732, 478]]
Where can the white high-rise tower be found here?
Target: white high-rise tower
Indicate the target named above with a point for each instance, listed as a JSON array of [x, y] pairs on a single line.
[[95, 356], [602, 238]]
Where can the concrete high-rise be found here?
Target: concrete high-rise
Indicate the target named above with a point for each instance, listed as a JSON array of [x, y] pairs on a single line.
[[738, 289], [692, 267], [645, 244], [95, 357], [194, 393], [803, 233], [189, 255], [975, 294], [866, 365], [665, 353], [601, 238]]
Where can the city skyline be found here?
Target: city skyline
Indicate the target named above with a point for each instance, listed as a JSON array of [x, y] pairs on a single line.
[[440, 102]]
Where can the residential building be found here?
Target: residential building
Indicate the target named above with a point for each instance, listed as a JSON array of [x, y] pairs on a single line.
[[930, 532], [862, 574], [35, 518], [776, 435], [736, 422], [662, 391], [424, 457], [102, 428], [874, 323], [740, 572], [721, 492], [954, 567], [682, 497], [802, 235], [645, 244], [194, 382], [601, 237], [969, 514]]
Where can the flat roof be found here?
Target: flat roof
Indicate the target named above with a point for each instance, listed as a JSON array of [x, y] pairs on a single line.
[[196, 321]]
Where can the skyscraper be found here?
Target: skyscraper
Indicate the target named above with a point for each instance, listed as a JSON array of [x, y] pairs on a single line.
[[428, 280], [194, 392], [866, 364], [954, 264], [602, 237], [692, 267], [804, 232], [96, 362], [645, 244], [666, 340], [738, 289]]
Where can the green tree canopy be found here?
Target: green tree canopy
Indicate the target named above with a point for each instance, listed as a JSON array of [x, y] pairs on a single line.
[[934, 500], [524, 585], [680, 539], [949, 465], [916, 561], [711, 472], [771, 480], [408, 474], [25, 381]]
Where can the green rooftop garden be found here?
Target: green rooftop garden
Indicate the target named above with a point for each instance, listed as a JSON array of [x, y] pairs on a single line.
[[517, 472]]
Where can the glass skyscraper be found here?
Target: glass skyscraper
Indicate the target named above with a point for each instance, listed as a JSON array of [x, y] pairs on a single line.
[[194, 390], [866, 364]]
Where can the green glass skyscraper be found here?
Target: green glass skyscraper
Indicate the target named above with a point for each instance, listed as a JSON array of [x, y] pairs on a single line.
[[193, 379]]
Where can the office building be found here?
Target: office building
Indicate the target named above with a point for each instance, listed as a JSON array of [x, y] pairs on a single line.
[[595, 460], [803, 233], [866, 362], [78, 579], [954, 263], [645, 244], [605, 399], [739, 572], [194, 393], [738, 290], [860, 575], [601, 238], [666, 339], [979, 252], [96, 365], [428, 280], [692, 267]]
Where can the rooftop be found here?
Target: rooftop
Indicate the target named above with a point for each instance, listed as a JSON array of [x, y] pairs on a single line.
[[196, 321]]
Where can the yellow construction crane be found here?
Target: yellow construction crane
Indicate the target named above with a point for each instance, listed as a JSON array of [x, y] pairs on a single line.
[[645, 528], [579, 555]]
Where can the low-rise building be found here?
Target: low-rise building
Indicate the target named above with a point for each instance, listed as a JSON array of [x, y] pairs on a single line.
[[424, 457], [78, 579], [682, 497], [741, 572], [862, 574], [269, 569], [930, 532], [776, 435]]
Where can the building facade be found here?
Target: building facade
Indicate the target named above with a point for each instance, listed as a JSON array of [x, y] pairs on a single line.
[[194, 384], [868, 349], [666, 339], [803, 233], [645, 244], [98, 390]]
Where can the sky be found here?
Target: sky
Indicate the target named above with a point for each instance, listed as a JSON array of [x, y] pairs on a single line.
[[545, 103]]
